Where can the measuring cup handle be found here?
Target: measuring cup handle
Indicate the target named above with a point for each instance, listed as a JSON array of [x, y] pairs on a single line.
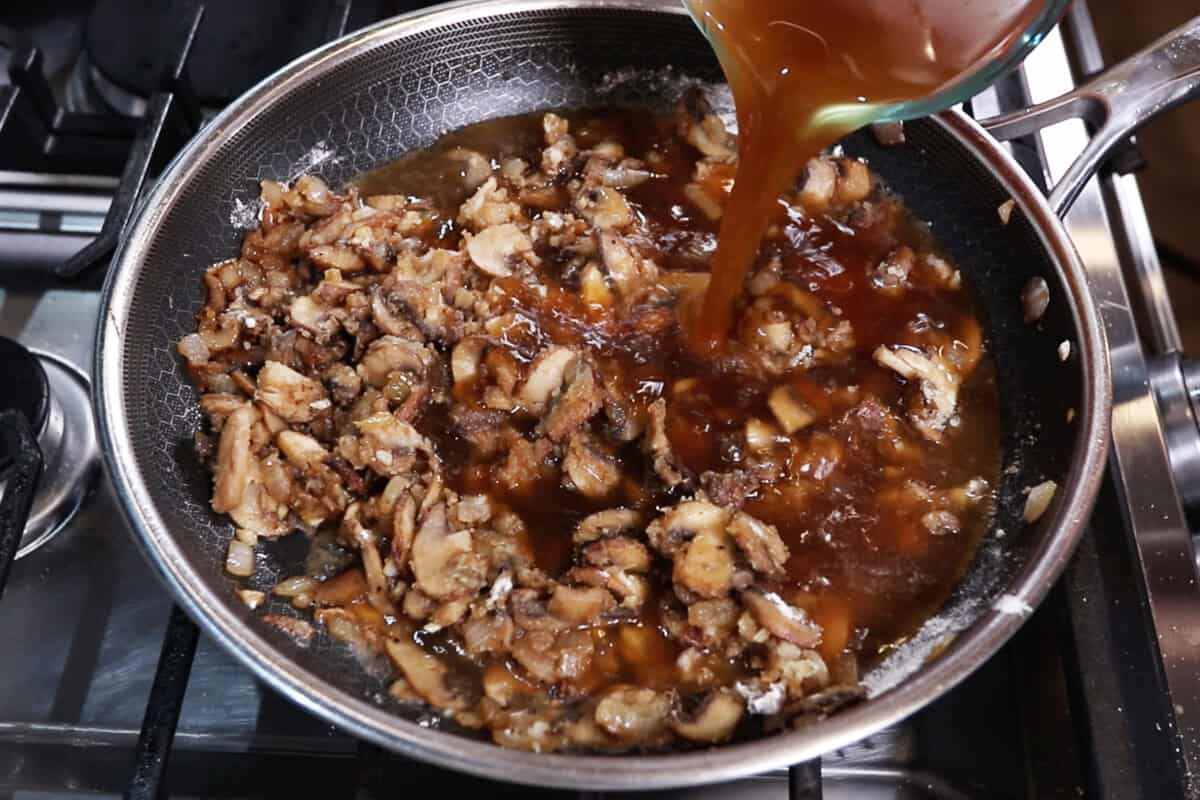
[[1117, 102]]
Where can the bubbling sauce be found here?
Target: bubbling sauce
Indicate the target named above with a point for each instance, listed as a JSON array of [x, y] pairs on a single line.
[[804, 74]]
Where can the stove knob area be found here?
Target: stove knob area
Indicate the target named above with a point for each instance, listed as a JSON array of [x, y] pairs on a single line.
[[25, 388], [1176, 384]]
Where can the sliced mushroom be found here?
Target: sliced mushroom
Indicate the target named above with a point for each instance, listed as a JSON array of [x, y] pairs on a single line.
[[610, 522], [582, 400], [580, 605], [939, 386], [234, 459], [339, 257], [666, 464], [546, 376], [781, 618], [258, 511], [631, 590], [761, 543], [626, 554], [426, 674], [633, 714], [475, 166], [820, 183], [620, 261], [356, 534], [714, 619], [389, 445], [668, 533], [820, 705], [288, 393], [444, 563], [301, 449], [390, 354], [307, 313], [492, 249], [529, 610], [604, 207], [590, 471], [535, 652], [705, 567], [712, 720]]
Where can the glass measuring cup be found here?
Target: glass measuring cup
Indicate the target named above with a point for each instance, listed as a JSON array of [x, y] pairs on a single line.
[[983, 70]]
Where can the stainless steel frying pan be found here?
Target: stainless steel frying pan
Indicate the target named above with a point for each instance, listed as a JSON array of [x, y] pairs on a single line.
[[377, 94]]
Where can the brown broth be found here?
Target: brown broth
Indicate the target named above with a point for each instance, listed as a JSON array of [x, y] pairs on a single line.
[[867, 574], [789, 63]]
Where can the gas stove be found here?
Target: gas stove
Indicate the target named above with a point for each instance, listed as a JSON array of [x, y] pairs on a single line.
[[105, 680]]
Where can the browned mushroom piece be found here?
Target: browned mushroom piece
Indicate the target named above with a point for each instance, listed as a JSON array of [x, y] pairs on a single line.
[[781, 618], [577, 605], [611, 522], [760, 543], [444, 562], [426, 674], [705, 567], [713, 719], [635, 715]]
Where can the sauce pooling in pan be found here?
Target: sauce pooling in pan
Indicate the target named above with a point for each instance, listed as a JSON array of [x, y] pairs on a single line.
[[804, 74], [469, 375]]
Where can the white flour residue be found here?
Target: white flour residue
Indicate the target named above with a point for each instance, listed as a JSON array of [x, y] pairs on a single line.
[[1011, 604], [315, 157], [245, 216], [762, 701]]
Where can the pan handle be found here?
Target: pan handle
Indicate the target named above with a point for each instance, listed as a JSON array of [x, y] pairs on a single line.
[[1117, 102]]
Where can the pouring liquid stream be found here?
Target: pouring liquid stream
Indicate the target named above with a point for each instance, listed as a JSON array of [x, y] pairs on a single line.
[[804, 74]]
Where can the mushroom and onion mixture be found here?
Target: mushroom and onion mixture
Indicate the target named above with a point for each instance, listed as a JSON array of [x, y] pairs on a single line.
[[469, 375]]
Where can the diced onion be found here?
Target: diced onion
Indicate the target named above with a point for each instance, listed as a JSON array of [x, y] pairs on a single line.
[[1035, 297], [760, 435], [252, 598], [791, 414], [1005, 210], [239, 561], [295, 586], [1039, 500]]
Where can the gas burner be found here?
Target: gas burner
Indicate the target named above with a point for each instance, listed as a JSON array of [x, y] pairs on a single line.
[[1176, 384], [237, 44], [54, 396], [89, 91], [27, 389]]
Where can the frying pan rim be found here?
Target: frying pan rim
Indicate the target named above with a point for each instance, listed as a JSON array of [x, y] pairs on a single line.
[[578, 771]]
